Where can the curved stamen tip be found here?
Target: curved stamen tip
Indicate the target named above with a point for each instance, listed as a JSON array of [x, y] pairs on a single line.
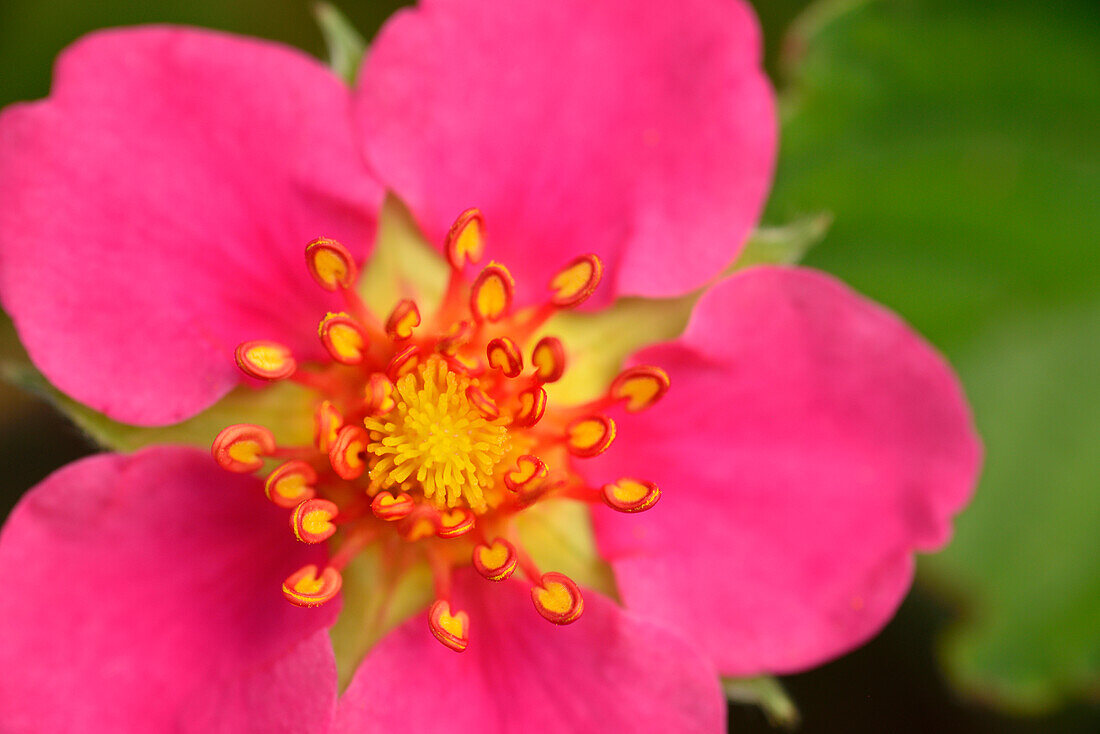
[[454, 523], [548, 357], [459, 334], [422, 523], [453, 630], [578, 280], [403, 362], [557, 598], [265, 360], [327, 422], [330, 264], [386, 506], [403, 319], [312, 520], [307, 588], [495, 561], [531, 405], [529, 473], [242, 447], [482, 402], [347, 453], [590, 436], [378, 395], [291, 484], [343, 338], [491, 294], [504, 355], [630, 495], [466, 240], [640, 387]]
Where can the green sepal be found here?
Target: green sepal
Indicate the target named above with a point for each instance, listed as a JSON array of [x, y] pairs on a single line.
[[282, 407], [344, 43], [598, 343], [559, 537], [768, 694], [784, 244], [402, 265], [379, 592]]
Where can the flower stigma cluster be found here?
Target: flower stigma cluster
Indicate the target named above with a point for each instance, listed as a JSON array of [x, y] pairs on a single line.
[[436, 431]]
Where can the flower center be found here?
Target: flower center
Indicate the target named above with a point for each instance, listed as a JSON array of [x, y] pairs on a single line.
[[435, 442], [437, 438]]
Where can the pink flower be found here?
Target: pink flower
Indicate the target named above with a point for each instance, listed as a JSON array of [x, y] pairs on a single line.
[[153, 213]]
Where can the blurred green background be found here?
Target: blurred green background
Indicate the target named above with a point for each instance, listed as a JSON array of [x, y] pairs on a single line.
[[957, 146]]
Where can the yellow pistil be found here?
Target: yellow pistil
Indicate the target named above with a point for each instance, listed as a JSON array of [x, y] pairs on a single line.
[[434, 440]]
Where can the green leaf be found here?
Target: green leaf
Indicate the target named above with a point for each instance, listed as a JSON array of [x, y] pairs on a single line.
[[344, 43], [955, 143], [285, 408], [768, 694], [1024, 562]]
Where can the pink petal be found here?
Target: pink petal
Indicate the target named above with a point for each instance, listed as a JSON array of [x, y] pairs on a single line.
[[147, 589], [610, 671], [155, 209], [639, 130], [809, 444], [293, 694]]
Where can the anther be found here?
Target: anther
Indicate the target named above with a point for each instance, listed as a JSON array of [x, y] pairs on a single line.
[[530, 472], [403, 362], [330, 264], [482, 402], [265, 360], [557, 598], [403, 319], [589, 436], [491, 294], [466, 240], [309, 588], [453, 630], [548, 357], [378, 395], [343, 337], [495, 561], [531, 406], [456, 522], [630, 495], [346, 453], [460, 333], [578, 280], [529, 494], [466, 364], [312, 520], [422, 523], [504, 355], [386, 506], [640, 387], [242, 447], [327, 422], [290, 484]]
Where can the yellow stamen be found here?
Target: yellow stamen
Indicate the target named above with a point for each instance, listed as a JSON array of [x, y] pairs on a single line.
[[436, 440]]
